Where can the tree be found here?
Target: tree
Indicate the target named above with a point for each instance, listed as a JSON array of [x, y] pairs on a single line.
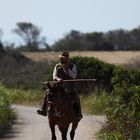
[[30, 34], [96, 39], [135, 39], [120, 39], [72, 41]]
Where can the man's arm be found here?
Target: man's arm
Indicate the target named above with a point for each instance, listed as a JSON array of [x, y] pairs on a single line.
[[73, 71], [55, 77]]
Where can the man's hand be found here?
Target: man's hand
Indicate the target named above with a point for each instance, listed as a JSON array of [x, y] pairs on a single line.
[[60, 80], [66, 67]]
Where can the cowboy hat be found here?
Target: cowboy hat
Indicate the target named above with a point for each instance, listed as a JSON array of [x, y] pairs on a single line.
[[64, 54]]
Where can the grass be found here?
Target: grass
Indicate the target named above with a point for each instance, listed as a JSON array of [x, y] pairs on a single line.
[[26, 97], [94, 103], [112, 57]]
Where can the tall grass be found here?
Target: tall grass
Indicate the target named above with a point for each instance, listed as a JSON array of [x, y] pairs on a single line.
[[26, 97], [95, 103]]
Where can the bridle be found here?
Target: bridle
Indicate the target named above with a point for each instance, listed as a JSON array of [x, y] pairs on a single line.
[[68, 108]]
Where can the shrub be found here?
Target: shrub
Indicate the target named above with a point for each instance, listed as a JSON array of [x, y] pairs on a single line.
[[6, 113], [123, 113], [127, 77], [93, 68]]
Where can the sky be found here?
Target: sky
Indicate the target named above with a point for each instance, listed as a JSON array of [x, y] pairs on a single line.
[[56, 18]]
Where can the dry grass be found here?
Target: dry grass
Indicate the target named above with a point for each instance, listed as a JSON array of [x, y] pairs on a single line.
[[112, 57]]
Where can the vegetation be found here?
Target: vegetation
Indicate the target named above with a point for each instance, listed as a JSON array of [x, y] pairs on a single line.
[[6, 113], [26, 97], [93, 68], [123, 117], [95, 103], [98, 41], [17, 71]]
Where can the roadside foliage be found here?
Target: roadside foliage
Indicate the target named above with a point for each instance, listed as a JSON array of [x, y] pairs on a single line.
[[123, 112], [6, 113]]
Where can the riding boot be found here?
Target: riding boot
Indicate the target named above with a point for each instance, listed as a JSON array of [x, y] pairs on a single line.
[[43, 109]]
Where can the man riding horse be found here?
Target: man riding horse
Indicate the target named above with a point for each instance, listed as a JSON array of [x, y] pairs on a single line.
[[65, 70]]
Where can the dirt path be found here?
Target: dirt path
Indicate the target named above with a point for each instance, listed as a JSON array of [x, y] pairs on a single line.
[[30, 126]]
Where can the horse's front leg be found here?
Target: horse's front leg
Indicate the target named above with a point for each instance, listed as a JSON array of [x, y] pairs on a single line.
[[64, 130], [52, 127], [72, 133]]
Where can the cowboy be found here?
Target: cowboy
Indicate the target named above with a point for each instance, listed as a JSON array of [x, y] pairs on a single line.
[[65, 70]]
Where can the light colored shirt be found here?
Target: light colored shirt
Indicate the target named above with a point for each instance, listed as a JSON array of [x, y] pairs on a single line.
[[72, 72]]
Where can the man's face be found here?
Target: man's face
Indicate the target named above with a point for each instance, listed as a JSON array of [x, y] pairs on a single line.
[[64, 60]]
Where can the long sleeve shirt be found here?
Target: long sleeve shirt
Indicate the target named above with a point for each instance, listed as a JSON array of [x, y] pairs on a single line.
[[71, 72]]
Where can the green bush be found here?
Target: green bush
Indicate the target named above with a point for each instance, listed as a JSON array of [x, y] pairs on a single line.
[[122, 76], [6, 112], [89, 67], [123, 113]]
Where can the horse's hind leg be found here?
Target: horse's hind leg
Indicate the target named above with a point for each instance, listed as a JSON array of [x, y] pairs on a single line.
[[72, 132]]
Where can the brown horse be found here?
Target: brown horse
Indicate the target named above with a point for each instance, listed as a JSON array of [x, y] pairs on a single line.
[[64, 112]]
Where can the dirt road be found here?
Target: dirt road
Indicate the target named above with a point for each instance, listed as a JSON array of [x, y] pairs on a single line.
[[30, 126]]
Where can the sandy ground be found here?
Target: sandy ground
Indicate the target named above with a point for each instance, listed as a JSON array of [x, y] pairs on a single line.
[[31, 126]]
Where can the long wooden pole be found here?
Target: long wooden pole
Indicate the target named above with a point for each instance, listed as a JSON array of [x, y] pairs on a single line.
[[72, 80]]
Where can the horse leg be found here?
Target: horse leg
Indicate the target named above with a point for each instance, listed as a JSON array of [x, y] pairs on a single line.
[[52, 127], [64, 130], [72, 132]]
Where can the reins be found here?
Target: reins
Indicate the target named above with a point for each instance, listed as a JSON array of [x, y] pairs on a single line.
[[58, 113]]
